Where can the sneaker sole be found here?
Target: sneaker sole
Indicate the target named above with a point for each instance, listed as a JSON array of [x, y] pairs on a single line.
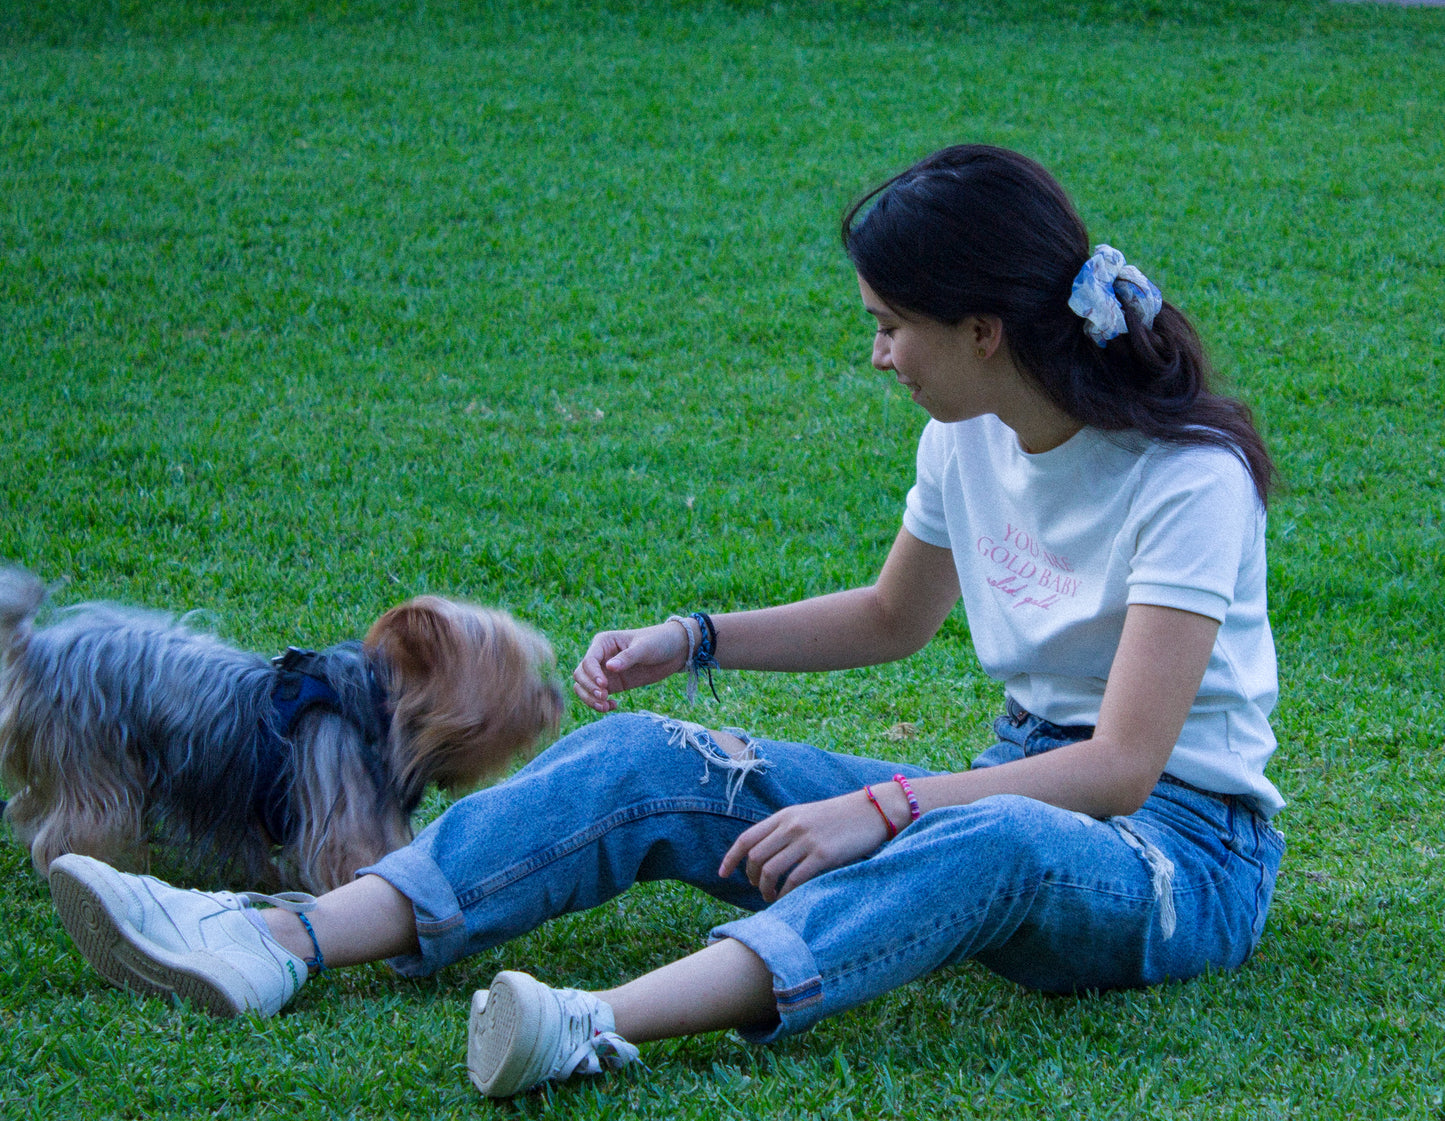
[[503, 1042], [94, 917]]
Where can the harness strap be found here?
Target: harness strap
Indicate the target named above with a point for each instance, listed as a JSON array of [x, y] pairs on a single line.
[[300, 688]]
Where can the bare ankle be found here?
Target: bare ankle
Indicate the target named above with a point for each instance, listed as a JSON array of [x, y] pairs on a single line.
[[285, 927]]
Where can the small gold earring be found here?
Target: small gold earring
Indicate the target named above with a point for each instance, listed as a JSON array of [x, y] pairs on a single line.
[[983, 352]]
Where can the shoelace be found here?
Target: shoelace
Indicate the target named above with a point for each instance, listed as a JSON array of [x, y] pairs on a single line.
[[595, 1049], [297, 902]]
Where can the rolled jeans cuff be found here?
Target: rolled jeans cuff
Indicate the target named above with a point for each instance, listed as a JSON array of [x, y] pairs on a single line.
[[797, 982], [441, 928]]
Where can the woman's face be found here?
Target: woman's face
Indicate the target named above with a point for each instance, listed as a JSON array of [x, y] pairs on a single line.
[[940, 365]]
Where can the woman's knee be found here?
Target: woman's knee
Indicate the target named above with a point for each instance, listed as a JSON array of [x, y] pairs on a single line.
[[732, 745], [639, 748], [604, 739], [1009, 842], [1020, 822]]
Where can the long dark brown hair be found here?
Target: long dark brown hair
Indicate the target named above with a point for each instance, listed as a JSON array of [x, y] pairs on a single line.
[[978, 230]]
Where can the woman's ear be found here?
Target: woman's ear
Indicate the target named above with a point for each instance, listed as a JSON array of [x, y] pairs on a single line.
[[984, 334]]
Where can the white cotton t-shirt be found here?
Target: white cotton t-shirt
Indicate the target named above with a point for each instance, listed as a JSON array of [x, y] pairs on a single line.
[[1052, 548]]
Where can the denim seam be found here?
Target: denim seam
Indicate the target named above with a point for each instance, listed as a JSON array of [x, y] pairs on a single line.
[[431, 928], [1263, 835], [521, 869]]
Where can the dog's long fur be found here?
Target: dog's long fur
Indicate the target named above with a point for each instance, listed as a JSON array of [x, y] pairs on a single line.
[[120, 728]]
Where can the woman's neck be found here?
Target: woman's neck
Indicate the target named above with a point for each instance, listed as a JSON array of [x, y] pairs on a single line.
[[1039, 424]]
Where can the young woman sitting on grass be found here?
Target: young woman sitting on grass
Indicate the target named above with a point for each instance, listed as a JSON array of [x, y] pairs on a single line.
[[1101, 514]]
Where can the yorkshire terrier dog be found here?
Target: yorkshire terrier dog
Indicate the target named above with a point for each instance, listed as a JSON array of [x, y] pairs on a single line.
[[121, 728]]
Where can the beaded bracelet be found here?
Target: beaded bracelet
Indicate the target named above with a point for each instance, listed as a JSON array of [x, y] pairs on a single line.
[[887, 821], [914, 812]]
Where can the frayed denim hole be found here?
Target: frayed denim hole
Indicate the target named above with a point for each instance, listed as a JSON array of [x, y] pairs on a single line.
[[686, 734], [1161, 872]]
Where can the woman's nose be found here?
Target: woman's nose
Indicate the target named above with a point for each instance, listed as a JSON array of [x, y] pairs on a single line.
[[882, 359]]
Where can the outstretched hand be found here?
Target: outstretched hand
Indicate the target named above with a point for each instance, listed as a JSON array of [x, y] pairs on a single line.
[[620, 660], [800, 842]]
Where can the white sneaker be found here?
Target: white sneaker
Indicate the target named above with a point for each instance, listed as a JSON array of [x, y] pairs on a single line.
[[144, 935], [523, 1033]]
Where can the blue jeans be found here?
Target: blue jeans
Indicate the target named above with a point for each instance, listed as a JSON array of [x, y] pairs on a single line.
[[1052, 899]]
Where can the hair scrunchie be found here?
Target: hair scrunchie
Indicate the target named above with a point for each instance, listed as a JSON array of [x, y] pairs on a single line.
[[1103, 287]]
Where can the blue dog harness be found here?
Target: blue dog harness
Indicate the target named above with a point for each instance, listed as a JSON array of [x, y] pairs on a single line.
[[301, 687]]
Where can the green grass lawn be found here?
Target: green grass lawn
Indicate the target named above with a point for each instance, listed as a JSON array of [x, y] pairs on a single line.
[[308, 307]]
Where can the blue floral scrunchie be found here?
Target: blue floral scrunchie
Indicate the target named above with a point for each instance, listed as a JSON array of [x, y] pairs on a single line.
[[1102, 288]]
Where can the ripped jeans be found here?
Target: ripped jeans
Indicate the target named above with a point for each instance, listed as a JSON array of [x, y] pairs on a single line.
[[1051, 899]]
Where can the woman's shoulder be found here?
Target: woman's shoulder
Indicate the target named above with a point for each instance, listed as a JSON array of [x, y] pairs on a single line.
[[1215, 464], [1127, 460], [1201, 494], [941, 441]]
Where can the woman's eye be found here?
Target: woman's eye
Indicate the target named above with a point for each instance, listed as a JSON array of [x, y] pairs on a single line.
[[886, 332]]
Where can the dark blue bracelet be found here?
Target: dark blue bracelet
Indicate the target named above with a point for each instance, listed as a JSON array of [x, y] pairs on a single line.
[[707, 644], [318, 963], [704, 659]]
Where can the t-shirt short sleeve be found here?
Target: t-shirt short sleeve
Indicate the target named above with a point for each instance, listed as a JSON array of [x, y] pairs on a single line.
[[1194, 522], [923, 513]]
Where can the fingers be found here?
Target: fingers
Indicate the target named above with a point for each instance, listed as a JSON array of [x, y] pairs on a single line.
[[594, 698], [740, 853], [798, 875], [799, 842], [776, 855], [737, 852], [590, 685], [591, 680], [785, 871], [620, 660]]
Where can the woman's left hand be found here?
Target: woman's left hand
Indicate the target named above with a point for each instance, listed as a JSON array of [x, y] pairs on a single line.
[[799, 842]]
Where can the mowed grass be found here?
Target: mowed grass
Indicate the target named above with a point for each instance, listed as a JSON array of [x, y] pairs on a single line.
[[306, 308]]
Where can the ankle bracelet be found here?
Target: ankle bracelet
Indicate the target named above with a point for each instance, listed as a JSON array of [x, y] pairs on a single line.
[[317, 964]]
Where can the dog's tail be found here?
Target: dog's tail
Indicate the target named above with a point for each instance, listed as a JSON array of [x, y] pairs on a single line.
[[21, 595]]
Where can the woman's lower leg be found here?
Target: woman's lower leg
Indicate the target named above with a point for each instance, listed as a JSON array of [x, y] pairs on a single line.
[[723, 986], [365, 920]]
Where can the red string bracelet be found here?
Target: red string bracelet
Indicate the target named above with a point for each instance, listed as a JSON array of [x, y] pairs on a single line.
[[913, 811], [887, 821]]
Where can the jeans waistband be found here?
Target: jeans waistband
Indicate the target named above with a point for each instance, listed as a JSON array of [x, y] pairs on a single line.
[[1227, 799], [1019, 716]]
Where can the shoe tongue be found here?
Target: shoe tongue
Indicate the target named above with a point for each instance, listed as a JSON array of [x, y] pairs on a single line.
[[586, 1008]]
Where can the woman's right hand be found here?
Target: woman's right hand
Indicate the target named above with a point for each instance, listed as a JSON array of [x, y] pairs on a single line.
[[806, 840], [620, 660]]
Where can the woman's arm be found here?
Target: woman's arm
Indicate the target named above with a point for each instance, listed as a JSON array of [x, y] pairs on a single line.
[[889, 619], [1152, 685]]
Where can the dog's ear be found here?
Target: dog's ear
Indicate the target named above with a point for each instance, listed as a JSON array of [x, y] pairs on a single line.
[[471, 688], [410, 638], [21, 595]]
